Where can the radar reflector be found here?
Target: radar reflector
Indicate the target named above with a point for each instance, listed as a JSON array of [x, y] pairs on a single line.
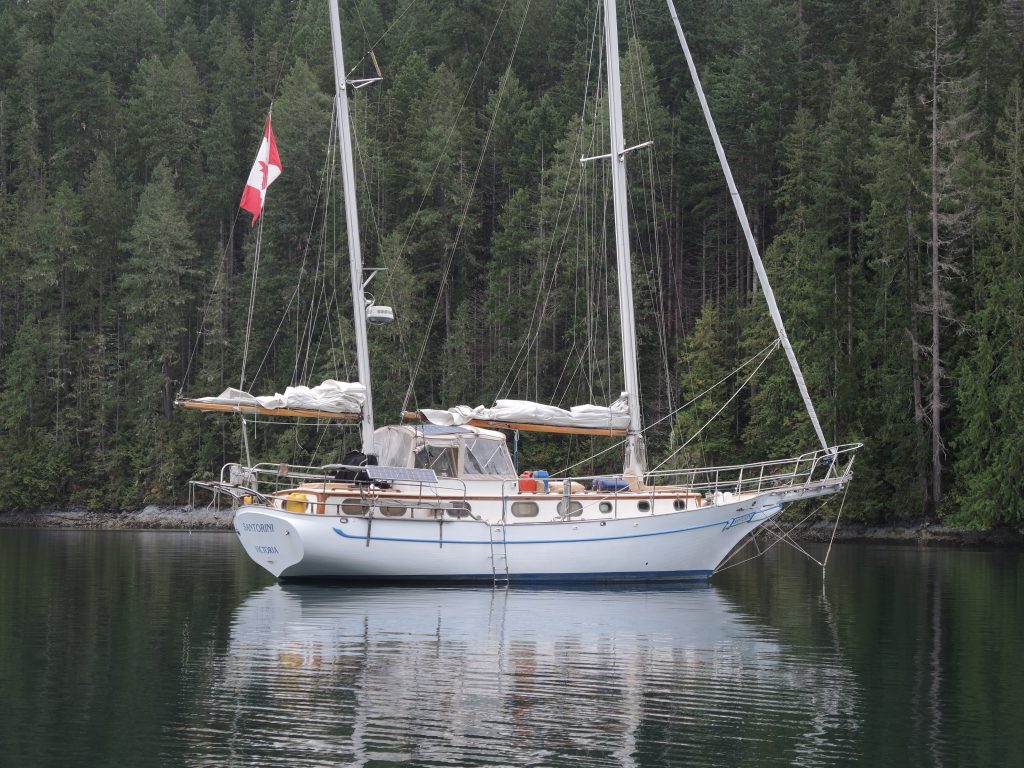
[[378, 314], [400, 474]]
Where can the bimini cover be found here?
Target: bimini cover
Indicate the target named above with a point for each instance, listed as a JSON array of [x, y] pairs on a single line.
[[449, 451], [615, 416], [330, 397]]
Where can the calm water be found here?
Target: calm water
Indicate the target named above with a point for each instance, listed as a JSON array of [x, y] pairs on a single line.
[[168, 649]]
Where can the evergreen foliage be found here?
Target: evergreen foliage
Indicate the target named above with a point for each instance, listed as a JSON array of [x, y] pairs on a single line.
[[878, 147]]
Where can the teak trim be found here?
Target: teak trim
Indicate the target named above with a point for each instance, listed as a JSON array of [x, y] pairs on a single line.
[[594, 431], [302, 413]]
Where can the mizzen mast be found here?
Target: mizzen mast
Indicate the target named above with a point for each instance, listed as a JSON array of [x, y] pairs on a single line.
[[355, 255]]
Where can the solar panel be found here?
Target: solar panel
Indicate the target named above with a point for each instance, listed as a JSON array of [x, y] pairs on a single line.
[[440, 429], [401, 474]]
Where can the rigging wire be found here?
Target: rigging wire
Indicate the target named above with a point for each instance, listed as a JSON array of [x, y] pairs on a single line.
[[530, 336], [469, 196], [319, 286], [259, 233], [325, 177], [410, 392], [651, 183], [252, 302], [785, 537], [766, 353], [381, 38], [717, 413], [390, 265], [203, 315], [274, 92], [586, 233], [221, 272]]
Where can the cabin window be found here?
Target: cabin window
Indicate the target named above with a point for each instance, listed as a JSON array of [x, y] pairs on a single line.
[[440, 459], [643, 506], [570, 508], [353, 507], [487, 457], [459, 509], [679, 505], [605, 507], [391, 510], [525, 509]]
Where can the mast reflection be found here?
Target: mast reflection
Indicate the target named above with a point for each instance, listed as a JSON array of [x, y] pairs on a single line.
[[479, 676]]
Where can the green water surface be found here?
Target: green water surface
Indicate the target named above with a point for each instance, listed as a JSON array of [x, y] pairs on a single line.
[[170, 649]]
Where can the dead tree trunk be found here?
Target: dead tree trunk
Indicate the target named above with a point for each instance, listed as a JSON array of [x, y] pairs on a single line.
[[935, 403]]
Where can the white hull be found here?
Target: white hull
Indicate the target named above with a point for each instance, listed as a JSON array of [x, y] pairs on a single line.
[[676, 545], [504, 530]]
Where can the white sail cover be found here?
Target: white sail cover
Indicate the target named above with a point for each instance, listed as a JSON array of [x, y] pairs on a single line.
[[615, 416], [330, 397]]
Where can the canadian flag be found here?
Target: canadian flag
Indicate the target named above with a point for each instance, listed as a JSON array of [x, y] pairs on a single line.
[[266, 168]]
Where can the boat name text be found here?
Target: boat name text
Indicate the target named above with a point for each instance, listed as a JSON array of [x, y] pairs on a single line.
[[258, 527]]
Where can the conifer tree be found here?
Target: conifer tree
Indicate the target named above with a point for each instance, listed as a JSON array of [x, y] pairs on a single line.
[[896, 449], [161, 259], [704, 361], [990, 454]]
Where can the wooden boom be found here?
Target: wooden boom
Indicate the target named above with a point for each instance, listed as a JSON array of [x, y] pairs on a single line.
[[302, 413], [524, 427]]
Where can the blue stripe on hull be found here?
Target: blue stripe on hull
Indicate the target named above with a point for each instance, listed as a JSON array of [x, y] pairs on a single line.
[[767, 512]]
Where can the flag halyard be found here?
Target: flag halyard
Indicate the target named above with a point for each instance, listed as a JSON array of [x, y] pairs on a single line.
[[265, 170]]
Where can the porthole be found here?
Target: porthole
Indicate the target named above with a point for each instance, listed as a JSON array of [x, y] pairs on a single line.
[[392, 510], [525, 509], [679, 505], [643, 506], [570, 509], [353, 508], [459, 509], [605, 507]]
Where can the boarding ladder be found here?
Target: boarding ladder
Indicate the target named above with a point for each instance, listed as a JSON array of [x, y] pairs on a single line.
[[499, 555]]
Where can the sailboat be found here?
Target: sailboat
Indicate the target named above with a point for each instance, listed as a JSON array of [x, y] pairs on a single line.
[[441, 499]]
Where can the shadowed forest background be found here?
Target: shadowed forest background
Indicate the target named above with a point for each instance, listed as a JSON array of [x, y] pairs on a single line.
[[878, 144]]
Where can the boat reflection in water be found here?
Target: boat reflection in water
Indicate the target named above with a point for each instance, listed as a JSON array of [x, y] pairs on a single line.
[[322, 676]]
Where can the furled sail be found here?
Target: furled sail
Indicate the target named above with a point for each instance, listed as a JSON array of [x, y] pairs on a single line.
[[337, 399], [523, 414]]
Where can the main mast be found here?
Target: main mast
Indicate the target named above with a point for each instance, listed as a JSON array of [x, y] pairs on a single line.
[[355, 255], [636, 451]]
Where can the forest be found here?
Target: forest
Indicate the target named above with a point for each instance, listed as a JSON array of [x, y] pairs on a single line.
[[878, 146]]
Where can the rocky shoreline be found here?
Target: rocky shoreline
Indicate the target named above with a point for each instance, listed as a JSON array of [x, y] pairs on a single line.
[[928, 533], [152, 517], [156, 517]]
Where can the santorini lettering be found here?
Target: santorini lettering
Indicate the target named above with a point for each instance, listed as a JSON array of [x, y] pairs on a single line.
[[258, 527]]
